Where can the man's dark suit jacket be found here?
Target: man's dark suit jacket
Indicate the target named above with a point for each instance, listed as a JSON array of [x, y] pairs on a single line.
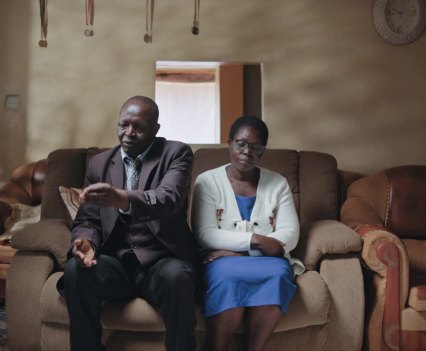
[[160, 201]]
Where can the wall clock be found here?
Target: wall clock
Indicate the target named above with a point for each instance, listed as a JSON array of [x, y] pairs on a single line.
[[399, 22]]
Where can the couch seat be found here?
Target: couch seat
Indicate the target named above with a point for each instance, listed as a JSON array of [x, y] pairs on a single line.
[[310, 307]]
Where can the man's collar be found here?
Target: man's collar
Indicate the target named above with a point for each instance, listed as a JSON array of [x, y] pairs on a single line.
[[140, 156]]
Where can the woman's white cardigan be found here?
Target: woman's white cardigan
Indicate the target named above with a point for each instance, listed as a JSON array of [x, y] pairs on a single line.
[[216, 219]]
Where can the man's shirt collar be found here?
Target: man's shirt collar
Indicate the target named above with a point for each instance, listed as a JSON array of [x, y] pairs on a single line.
[[141, 156]]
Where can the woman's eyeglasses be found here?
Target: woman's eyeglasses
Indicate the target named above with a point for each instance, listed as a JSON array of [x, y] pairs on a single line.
[[241, 145]]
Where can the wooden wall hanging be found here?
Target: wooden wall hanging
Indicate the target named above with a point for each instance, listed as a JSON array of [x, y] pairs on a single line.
[[90, 16], [43, 20], [196, 23]]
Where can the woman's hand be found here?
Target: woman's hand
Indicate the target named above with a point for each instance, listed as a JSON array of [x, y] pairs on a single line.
[[212, 255], [267, 245]]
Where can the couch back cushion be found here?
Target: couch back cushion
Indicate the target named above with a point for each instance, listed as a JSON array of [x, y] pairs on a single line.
[[394, 198], [406, 213], [65, 167], [312, 177], [318, 184]]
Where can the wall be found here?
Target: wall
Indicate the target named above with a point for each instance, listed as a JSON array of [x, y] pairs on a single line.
[[330, 83], [15, 19]]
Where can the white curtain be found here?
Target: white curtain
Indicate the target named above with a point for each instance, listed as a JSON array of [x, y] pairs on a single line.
[[188, 111]]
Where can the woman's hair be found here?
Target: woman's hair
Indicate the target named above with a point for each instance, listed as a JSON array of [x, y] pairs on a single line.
[[250, 121]]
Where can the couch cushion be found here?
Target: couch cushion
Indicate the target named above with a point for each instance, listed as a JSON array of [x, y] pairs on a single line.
[[318, 186], [413, 320], [312, 176], [309, 307], [282, 161], [70, 199], [65, 167], [311, 304], [416, 254], [53, 307], [417, 298], [407, 200]]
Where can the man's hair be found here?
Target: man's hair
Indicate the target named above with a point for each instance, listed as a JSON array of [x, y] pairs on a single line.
[[250, 121], [145, 100]]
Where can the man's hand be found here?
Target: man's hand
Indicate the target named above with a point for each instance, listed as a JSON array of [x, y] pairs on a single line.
[[267, 245], [212, 255], [105, 195], [84, 253]]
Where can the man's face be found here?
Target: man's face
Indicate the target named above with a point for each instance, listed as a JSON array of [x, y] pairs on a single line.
[[136, 128]]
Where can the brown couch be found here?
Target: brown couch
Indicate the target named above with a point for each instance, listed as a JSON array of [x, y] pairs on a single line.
[[388, 210], [326, 314], [20, 193], [24, 187]]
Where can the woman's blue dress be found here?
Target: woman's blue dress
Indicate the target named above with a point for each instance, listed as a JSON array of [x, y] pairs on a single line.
[[247, 281]]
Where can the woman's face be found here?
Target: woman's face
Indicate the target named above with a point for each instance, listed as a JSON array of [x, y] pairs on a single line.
[[246, 148]]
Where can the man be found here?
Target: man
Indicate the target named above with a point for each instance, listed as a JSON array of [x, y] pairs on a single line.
[[130, 237]]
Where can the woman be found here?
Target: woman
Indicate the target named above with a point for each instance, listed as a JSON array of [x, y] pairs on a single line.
[[245, 217]]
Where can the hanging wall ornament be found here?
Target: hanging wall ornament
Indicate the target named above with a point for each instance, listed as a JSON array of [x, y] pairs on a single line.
[[149, 19], [90, 15], [43, 18], [196, 24]]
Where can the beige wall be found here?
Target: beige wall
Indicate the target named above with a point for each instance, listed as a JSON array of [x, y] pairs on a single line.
[[330, 83], [14, 60]]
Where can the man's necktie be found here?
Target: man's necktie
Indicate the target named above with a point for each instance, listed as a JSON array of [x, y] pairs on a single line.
[[135, 168]]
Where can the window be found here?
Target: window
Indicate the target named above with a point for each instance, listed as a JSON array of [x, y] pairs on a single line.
[[198, 101], [187, 96]]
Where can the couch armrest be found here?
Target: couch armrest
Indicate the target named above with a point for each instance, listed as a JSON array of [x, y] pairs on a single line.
[[27, 275], [343, 276], [325, 237], [382, 253], [49, 235], [386, 255]]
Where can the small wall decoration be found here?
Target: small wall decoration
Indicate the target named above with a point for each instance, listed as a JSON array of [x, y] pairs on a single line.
[[149, 21], [196, 24], [43, 20], [90, 15]]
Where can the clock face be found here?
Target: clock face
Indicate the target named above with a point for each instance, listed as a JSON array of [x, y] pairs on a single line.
[[402, 15], [399, 21]]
